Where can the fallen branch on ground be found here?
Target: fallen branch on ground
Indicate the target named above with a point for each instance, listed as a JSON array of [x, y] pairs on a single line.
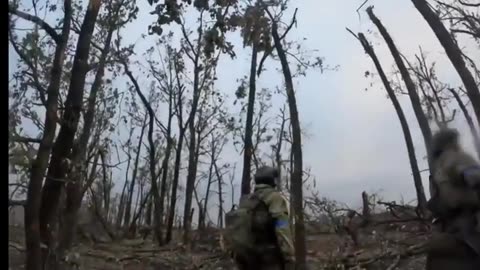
[[207, 260], [413, 250]]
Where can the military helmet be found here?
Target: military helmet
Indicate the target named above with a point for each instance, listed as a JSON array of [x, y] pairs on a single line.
[[443, 139], [266, 175]]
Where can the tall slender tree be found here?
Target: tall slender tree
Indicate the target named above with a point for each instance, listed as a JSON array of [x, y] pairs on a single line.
[[410, 85], [417, 178], [297, 172]]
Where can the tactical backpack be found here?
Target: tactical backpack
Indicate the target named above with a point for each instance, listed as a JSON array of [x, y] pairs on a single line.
[[246, 226]]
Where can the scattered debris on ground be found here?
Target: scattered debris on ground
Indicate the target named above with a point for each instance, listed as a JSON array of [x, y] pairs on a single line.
[[381, 247]]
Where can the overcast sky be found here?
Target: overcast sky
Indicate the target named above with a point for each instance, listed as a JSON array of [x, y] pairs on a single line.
[[355, 141]]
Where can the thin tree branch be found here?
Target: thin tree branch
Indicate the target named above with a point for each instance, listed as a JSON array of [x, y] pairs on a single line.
[[44, 25], [21, 139], [268, 52], [34, 74], [294, 21], [465, 32], [469, 4]]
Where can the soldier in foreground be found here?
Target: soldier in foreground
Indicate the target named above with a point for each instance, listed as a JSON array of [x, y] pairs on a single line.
[[455, 203], [258, 233]]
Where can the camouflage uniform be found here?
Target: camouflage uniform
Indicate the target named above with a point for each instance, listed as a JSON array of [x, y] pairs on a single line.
[[455, 195], [457, 174], [278, 209], [277, 252]]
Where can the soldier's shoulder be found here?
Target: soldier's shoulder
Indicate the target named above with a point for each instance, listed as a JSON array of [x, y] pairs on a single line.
[[468, 158], [460, 158], [274, 196]]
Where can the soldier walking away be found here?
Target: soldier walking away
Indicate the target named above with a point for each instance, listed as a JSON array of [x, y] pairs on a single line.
[[258, 233], [455, 204]]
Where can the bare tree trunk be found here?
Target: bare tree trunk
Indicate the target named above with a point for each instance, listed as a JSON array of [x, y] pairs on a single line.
[[192, 160], [297, 181], [417, 178], [143, 213], [73, 188], [176, 174], [106, 189], [412, 91], [151, 142], [166, 162], [213, 145], [209, 184], [366, 211], [128, 206], [232, 185], [453, 52], [132, 227], [138, 199], [148, 216], [62, 147], [40, 164], [73, 203], [220, 196], [278, 150], [201, 217], [192, 164], [100, 216], [191, 175], [92, 175], [122, 206], [178, 157], [248, 148], [167, 197], [473, 130]]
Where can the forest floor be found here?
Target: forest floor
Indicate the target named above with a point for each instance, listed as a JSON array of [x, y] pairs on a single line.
[[390, 246]]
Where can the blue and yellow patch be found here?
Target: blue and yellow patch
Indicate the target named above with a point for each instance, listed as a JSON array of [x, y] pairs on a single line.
[[281, 224]]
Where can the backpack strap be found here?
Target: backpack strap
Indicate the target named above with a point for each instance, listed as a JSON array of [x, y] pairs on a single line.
[[262, 205]]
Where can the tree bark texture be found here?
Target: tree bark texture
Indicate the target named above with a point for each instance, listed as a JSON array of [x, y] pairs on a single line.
[[176, 175], [73, 188], [296, 181], [151, 142], [40, 164], [220, 196], [178, 157], [248, 148], [128, 205], [192, 159], [166, 162], [61, 151]]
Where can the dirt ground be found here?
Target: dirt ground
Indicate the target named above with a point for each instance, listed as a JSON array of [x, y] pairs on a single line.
[[380, 248]]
